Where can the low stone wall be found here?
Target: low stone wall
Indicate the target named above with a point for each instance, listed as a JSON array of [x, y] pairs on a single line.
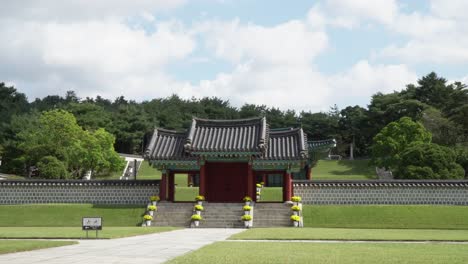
[[382, 192], [75, 191]]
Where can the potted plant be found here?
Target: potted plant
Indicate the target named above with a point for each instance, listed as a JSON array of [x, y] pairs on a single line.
[[296, 219], [154, 199], [262, 184], [198, 208], [247, 209], [296, 209], [296, 199], [148, 219], [246, 218], [258, 195], [259, 187], [151, 209], [196, 219], [247, 200], [199, 199]]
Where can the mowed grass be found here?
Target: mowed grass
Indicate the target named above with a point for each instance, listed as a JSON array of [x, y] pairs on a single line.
[[10, 246], [69, 214], [352, 234], [77, 233], [271, 194], [185, 194], [386, 216], [343, 170], [344, 253]]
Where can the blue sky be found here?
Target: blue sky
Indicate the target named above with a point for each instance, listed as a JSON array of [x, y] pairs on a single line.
[[302, 55]]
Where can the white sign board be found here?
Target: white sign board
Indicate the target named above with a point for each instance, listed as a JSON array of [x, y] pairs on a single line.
[[92, 223]]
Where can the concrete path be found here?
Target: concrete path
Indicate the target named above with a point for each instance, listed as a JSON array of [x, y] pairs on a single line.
[[153, 248]]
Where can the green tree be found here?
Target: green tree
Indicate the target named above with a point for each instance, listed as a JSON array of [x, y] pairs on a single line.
[[51, 168], [394, 138], [428, 161]]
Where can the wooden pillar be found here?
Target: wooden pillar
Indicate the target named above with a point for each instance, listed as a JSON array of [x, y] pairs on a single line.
[[251, 188], [202, 188], [190, 179], [265, 179], [309, 173], [163, 187], [287, 186], [171, 187]]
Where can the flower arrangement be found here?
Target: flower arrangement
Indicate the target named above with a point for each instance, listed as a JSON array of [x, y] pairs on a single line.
[[196, 217], [296, 199], [247, 199], [295, 218], [247, 208], [246, 218], [147, 217], [258, 193], [259, 185], [199, 198], [154, 198], [262, 183], [198, 207], [152, 208], [296, 208]]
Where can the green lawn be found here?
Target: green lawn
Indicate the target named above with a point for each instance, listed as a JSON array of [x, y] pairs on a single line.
[[184, 194], [362, 253], [351, 234], [343, 170], [387, 216], [271, 194], [76, 232], [147, 172], [68, 214], [10, 246]]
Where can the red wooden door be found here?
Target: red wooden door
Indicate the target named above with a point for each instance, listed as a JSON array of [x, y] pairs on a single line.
[[226, 181]]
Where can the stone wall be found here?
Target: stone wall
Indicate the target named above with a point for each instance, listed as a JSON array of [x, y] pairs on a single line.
[[382, 192], [74, 191]]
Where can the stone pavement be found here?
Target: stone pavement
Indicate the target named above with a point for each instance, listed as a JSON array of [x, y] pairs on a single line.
[[153, 248]]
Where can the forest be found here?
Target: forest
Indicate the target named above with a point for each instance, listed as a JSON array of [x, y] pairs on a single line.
[[440, 109]]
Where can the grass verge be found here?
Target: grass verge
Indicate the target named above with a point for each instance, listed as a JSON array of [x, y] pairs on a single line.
[[343, 170], [68, 214], [387, 216], [352, 234], [11, 246], [77, 233], [362, 253], [272, 194]]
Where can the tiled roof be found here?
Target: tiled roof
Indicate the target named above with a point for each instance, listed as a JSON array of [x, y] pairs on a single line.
[[166, 144], [241, 135], [318, 145], [287, 144]]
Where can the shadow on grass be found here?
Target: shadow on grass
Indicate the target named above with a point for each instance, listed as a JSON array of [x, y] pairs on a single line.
[[356, 167]]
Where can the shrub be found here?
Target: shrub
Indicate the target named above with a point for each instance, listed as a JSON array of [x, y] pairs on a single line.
[[295, 218], [295, 208], [196, 217], [154, 198], [198, 207], [52, 168], [247, 199], [246, 218], [152, 208], [247, 207], [147, 217], [296, 199], [200, 198]]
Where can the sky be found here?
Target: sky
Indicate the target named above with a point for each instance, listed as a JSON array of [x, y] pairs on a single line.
[[301, 55]]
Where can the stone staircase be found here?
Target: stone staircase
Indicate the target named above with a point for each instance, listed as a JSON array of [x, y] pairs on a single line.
[[222, 215], [272, 215], [173, 214]]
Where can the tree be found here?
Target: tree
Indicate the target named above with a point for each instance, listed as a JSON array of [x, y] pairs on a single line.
[[352, 121], [428, 161], [444, 131], [393, 139], [51, 168], [11, 103]]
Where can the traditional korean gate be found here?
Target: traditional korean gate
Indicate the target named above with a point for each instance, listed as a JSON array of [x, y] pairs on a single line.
[[226, 181]]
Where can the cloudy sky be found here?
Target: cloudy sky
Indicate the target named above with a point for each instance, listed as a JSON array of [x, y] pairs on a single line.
[[303, 55]]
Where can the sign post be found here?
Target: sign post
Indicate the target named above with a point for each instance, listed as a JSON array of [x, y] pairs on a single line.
[[91, 223]]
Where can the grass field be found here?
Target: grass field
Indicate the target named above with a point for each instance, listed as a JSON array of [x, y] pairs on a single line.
[[343, 170], [77, 233], [272, 194], [68, 214], [352, 234], [10, 246], [387, 216], [363, 253]]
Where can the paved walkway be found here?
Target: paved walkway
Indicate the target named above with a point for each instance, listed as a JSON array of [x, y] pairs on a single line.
[[153, 248]]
